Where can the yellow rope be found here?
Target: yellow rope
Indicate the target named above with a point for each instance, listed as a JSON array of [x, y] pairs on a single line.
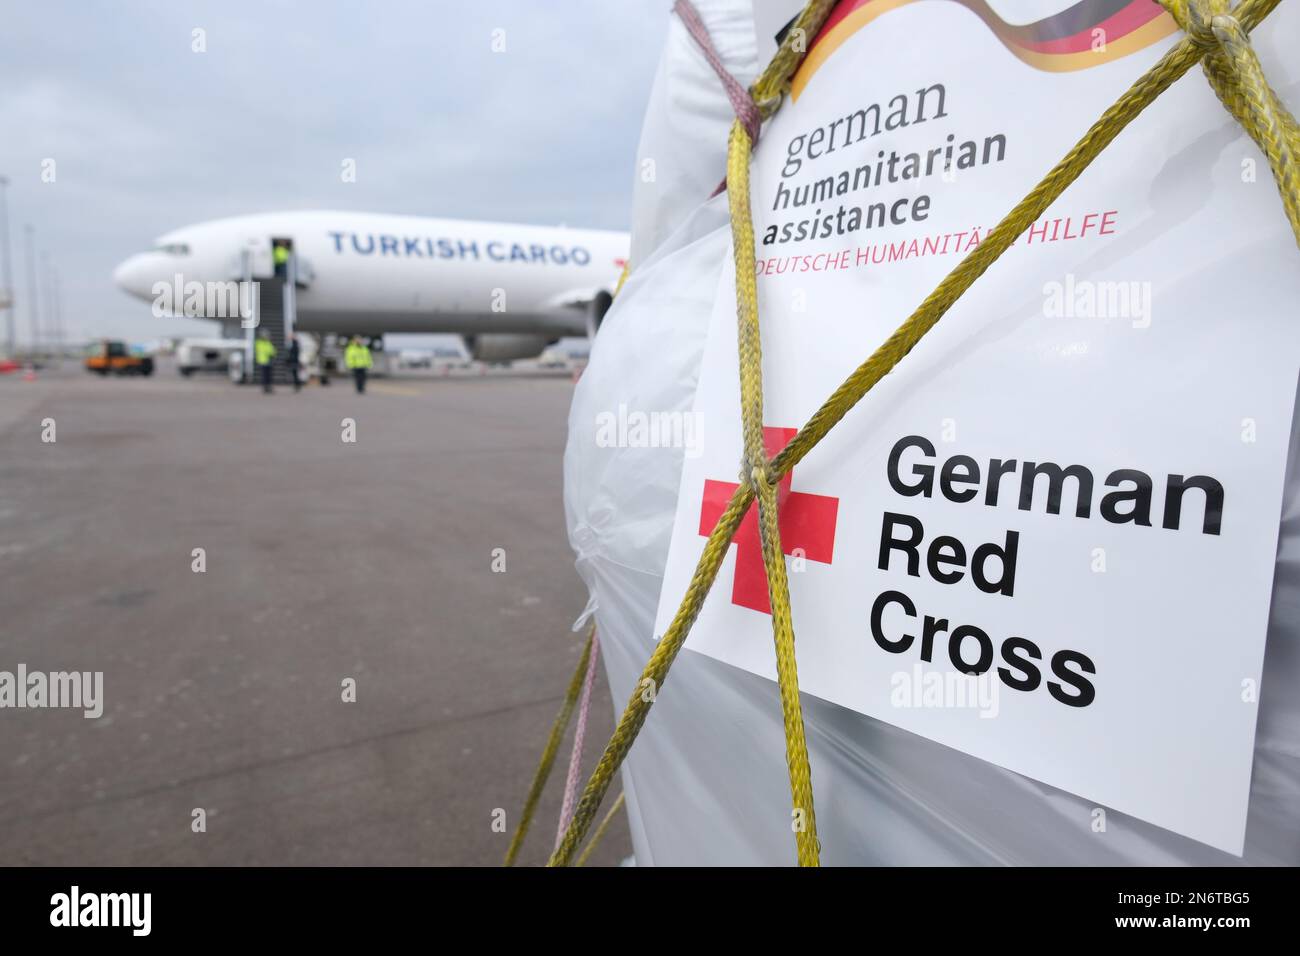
[[1237, 78], [770, 88], [551, 749], [600, 830], [757, 471], [1232, 69], [767, 92]]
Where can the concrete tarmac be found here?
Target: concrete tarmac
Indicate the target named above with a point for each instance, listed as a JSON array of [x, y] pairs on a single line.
[[325, 561]]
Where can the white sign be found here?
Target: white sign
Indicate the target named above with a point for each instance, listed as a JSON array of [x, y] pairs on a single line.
[[1072, 486]]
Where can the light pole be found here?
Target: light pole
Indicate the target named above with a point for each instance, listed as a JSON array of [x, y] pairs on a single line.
[[58, 315], [51, 323], [33, 310], [7, 264]]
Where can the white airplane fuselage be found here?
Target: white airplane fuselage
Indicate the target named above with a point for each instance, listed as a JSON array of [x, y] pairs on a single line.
[[367, 274]]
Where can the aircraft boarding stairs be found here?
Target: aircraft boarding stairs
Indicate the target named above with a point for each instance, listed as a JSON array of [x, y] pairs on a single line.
[[276, 307], [272, 319]]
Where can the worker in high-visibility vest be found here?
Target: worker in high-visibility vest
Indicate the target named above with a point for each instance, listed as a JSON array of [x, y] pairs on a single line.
[[280, 256], [357, 357], [264, 358]]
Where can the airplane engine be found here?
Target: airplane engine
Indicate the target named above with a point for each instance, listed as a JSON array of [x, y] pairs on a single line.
[[505, 347], [596, 310]]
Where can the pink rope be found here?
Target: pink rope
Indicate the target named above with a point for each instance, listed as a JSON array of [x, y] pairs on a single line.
[[579, 733], [746, 109]]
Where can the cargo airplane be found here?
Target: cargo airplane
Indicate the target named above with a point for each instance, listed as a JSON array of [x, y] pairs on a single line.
[[509, 290]]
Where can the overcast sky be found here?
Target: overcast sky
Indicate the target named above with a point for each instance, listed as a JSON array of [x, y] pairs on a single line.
[[148, 135]]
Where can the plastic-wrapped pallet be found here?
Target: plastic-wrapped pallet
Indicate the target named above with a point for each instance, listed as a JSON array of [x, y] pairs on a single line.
[[706, 780]]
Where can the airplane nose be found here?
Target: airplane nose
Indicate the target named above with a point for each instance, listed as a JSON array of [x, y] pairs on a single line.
[[136, 276]]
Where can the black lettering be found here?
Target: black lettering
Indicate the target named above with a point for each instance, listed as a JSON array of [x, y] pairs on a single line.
[[1213, 501], [888, 542], [1007, 555], [1056, 476], [997, 468], [969, 474], [1017, 652], [924, 472], [1140, 496], [1087, 693], [986, 649], [936, 558], [877, 612], [930, 628]]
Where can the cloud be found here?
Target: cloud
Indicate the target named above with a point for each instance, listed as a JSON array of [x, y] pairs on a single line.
[[149, 135]]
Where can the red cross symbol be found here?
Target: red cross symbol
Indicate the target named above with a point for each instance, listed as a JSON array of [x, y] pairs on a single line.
[[807, 522]]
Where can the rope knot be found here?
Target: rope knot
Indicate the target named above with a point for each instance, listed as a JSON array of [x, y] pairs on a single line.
[[757, 475], [1229, 62], [1206, 22], [1227, 27], [766, 106]]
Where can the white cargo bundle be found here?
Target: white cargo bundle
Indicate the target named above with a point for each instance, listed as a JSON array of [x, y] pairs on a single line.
[[911, 123]]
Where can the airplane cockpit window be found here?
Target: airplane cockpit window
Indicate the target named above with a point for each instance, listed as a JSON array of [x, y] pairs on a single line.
[[173, 248]]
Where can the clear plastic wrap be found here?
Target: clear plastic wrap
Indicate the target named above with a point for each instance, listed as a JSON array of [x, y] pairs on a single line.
[[706, 781]]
